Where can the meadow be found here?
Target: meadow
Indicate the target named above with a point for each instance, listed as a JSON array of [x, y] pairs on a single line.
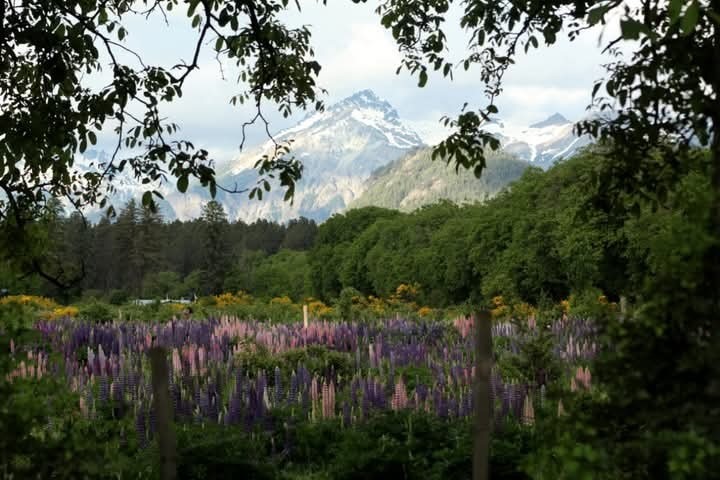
[[330, 399]]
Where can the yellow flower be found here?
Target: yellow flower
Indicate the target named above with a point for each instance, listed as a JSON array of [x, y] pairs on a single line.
[[524, 310], [405, 292], [425, 311], [30, 301], [228, 299], [319, 309], [565, 304], [284, 300], [500, 311], [62, 312]]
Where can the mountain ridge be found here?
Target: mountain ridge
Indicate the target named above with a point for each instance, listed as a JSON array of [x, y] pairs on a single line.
[[342, 148]]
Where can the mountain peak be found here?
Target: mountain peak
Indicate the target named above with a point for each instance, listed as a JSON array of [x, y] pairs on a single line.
[[367, 99], [554, 119]]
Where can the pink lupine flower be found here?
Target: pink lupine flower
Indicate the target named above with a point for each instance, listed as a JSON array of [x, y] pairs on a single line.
[[588, 377], [528, 412], [176, 363], [400, 399], [582, 375], [328, 400], [314, 394]]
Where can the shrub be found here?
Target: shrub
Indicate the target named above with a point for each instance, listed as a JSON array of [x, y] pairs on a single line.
[[96, 312]]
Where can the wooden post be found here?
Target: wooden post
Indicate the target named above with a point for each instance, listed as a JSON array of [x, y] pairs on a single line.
[[483, 406], [164, 414], [305, 316]]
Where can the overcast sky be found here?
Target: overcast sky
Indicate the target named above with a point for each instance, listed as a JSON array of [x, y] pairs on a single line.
[[356, 53]]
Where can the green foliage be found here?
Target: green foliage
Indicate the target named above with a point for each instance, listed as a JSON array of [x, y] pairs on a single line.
[[162, 284], [117, 297], [43, 433], [653, 418], [345, 302], [285, 273], [97, 312], [316, 358], [406, 444], [15, 317], [540, 240], [213, 452], [535, 362], [332, 241]]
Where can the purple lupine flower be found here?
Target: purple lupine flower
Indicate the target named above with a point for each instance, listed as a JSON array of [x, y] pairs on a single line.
[[347, 420], [354, 391], [278, 386], [292, 394], [305, 400], [233, 416], [104, 389], [365, 411]]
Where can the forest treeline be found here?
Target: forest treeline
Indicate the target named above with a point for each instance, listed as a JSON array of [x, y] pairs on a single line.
[[546, 237]]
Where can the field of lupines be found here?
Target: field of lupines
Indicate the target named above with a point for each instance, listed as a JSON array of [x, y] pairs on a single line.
[[260, 376]]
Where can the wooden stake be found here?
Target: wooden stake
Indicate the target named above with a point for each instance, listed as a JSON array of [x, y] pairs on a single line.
[[305, 316], [483, 406], [164, 413]]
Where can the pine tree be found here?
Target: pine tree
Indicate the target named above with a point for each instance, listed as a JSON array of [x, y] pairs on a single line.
[[126, 254], [215, 224], [149, 244]]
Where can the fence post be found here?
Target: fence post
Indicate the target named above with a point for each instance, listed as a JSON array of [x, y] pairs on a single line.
[[164, 414], [483, 406]]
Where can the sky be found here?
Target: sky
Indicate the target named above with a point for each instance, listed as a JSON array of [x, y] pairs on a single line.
[[357, 53]]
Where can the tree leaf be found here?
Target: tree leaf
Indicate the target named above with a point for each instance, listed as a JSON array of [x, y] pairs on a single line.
[[690, 19], [182, 184], [147, 198], [631, 28], [423, 79], [674, 8]]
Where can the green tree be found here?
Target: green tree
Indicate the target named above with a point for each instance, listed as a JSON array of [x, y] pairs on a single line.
[[162, 284], [215, 223], [149, 242], [127, 258]]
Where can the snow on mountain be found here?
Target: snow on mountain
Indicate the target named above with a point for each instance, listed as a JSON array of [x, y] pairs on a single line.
[[542, 143], [339, 149]]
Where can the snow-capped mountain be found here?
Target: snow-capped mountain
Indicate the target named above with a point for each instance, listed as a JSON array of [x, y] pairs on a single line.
[[542, 143], [339, 149]]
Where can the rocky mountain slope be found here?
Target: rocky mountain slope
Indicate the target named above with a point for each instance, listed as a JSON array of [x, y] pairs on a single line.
[[339, 148], [415, 180]]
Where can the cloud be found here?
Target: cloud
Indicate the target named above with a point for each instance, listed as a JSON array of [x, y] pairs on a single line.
[[368, 56], [356, 52]]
